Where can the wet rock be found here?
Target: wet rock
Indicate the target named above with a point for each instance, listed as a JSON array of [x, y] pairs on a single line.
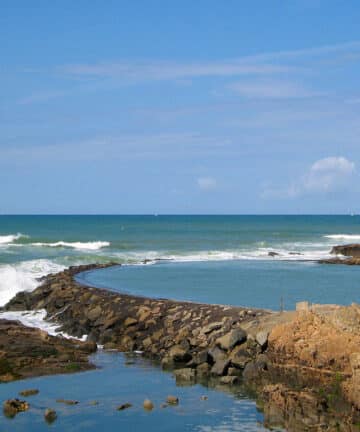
[[50, 415], [229, 340], [273, 254], [179, 354], [29, 392], [124, 406], [220, 367], [253, 370], [203, 370], [229, 380], [172, 400], [185, 374], [148, 405], [11, 407], [203, 398], [67, 401]]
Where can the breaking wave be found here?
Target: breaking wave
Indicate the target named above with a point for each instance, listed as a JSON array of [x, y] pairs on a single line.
[[347, 237], [11, 238], [96, 245], [23, 276]]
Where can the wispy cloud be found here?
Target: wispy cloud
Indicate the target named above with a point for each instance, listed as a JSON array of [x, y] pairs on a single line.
[[324, 176], [257, 64], [271, 89], [123, 147], [165, 70], [42, 96]]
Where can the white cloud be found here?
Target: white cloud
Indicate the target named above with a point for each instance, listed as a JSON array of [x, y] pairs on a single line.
[[325, 175], [207, 183]]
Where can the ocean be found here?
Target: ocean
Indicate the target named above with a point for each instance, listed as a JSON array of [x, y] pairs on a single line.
[[253, 261]]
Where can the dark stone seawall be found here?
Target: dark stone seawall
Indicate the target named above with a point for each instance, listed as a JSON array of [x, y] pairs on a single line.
[[300, 385]]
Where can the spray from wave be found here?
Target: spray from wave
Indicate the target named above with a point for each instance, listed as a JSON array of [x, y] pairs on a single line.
[[11, 238], [23, 276]]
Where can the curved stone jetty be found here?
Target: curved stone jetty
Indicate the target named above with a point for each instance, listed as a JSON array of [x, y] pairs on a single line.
[[304, 365]]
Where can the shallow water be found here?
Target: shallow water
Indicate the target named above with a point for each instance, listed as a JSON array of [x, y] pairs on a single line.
[[118, 382]]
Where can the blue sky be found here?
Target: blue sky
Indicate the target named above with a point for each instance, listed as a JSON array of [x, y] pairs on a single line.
[[180, 107]]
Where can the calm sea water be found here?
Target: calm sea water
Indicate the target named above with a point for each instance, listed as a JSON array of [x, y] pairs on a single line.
[[215, 259]]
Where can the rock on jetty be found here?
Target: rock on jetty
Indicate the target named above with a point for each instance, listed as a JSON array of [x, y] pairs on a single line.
[[303, 365]]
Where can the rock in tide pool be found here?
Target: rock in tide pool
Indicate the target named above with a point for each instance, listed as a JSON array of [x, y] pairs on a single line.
[[124, 406], [185, 374], [50, 415], [29, 392], [12, 407], [172, 400], [148, 405], [67, 401]]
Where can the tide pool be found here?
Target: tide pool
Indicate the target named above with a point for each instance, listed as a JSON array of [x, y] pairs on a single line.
[[260, 284], [122, 379]]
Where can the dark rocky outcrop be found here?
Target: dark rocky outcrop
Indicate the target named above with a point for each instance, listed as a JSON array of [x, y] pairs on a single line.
[[349, 250], [348, 254], [27, 352]]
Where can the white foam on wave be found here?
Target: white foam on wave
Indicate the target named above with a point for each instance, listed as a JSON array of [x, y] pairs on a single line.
[[36, 319], [23, 276], [96, 245], [10, 238], [348, 237], [260, 253]]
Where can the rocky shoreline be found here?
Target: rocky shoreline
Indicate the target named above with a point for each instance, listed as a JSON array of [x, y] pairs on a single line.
[[303, 365], [26, 352]]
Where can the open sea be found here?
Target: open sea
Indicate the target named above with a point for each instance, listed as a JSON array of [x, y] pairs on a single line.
[[213, 259]]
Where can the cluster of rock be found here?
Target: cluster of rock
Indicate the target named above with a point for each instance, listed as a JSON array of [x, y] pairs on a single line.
[[304, 365], [199, 339]]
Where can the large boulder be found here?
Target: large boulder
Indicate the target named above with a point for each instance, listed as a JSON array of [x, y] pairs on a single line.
[[229, 340], [220, 367]]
